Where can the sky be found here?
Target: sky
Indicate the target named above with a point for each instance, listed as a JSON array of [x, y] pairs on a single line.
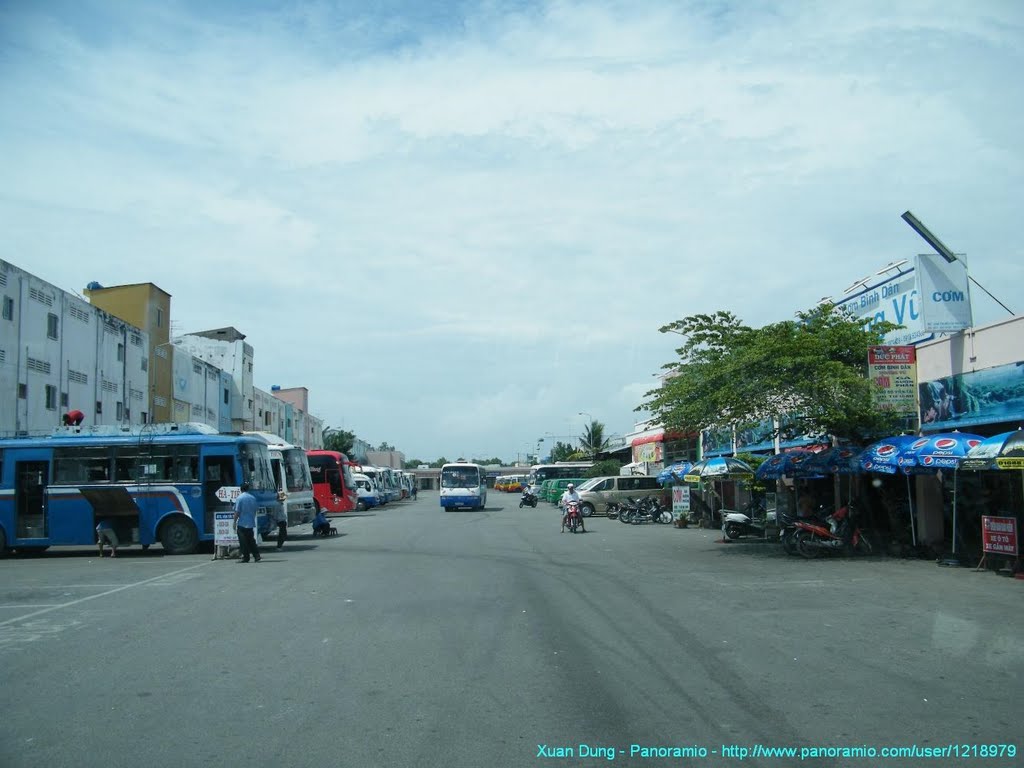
[[461, 224]]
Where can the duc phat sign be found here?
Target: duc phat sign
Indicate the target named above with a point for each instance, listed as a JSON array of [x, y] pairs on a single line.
[[999, 535], [893, 374]]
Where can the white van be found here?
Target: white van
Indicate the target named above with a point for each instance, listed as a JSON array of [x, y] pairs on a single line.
[[597, 493]]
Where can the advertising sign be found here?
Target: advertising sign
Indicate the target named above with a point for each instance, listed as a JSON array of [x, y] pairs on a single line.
[[893, 375], [894, 300], [999, 535], [945, 299], [224, 534], [681, 501], [988, 396]]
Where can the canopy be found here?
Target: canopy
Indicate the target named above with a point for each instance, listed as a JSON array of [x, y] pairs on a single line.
[[719, 468], [838, 460], [675, 471], [942, 451], [785, 465], [884, 456], [1004, 451]]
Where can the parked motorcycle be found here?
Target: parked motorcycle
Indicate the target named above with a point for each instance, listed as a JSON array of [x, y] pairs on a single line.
[[646, 510], [745, 522], [838, 534], [527, 499]]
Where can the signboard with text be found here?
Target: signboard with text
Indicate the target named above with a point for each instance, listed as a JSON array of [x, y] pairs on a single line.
[[681, 501], [894, 300], [945, 294], [999, 535], [224, 534], [893, 375]]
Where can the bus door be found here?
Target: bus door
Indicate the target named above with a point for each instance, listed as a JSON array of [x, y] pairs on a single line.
[[30, 507], [218, 473]]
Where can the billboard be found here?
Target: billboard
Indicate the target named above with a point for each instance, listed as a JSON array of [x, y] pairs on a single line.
[[988, 396], [893, 375], [894, 299], [945, 296]]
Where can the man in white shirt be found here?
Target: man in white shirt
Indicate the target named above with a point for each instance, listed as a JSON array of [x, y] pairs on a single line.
[[570, 495]]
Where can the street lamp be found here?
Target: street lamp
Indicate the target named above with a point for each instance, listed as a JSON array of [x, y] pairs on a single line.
[[928, 237]]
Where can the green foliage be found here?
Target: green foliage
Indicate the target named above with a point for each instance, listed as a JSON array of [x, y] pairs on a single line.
[[602, 468], [485, 462], [562, 452], [593, 440], [385, 446], [812, 369], [340, 440], [438, 463]]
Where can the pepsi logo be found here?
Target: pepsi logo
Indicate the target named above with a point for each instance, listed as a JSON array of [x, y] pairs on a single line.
[[972, 443], [885, 450], [928, 460], [945, 443], [919, 443]]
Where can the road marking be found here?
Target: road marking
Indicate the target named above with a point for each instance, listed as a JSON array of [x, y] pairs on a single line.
[[101, 594], [44, 605]]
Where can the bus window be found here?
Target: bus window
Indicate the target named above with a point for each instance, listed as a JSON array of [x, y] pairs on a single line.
[[256, 468], [81, 465], [126, 458]]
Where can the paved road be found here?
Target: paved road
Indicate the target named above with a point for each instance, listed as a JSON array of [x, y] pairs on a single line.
[[424, 638]]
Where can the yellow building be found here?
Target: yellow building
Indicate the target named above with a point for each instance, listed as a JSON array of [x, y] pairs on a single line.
[[148, 307]]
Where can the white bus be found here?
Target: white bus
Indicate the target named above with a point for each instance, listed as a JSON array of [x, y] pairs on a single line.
[[290, 467], [463, 485]]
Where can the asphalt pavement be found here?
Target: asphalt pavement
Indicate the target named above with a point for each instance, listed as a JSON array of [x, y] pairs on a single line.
[[419, 637]]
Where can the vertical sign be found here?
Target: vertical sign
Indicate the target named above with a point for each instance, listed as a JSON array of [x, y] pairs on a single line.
[[224, 533], [945, 295], [681, 501], [893, 375]]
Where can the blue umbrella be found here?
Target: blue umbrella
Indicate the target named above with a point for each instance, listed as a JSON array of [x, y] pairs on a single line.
[[784, 465], [1003, 451], [942, 451], [665, 476], [837, 460], [679, 469], [884, 457], [719, 468]]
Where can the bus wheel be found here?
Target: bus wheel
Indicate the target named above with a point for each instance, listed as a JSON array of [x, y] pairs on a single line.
[[179, 537]]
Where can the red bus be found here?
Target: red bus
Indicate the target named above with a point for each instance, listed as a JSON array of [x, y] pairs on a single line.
[[334, 490]]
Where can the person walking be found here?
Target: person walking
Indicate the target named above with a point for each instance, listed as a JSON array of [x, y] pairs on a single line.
[[105, 533], [245, 524]]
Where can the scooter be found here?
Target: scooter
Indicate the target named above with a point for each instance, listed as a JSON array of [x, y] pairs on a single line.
[[839, 534], [527, 499], [572, 516], [736, 524]]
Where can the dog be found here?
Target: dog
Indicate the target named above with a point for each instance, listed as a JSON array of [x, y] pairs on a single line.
[[332, 531]]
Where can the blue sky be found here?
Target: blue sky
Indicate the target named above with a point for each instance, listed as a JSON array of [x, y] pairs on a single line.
[[461, 224]]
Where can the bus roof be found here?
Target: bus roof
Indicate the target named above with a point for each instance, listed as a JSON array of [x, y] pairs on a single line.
[[69, 441], [274, 441]]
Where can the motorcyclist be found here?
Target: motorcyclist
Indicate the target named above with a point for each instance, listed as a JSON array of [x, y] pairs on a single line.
[[570, 495], [528, 495]]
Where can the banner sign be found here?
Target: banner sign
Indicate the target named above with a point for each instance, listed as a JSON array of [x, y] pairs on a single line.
[[999, 535], [944, 296], [893, 375], [224, 533], [988, 396]]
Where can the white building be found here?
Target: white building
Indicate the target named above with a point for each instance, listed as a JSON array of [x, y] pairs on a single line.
[[225, 348], [60, 353]]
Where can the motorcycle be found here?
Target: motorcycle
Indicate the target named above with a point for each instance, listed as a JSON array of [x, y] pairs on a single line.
[[527, 499], [742, 523], [838, 534], [647, 510], [572, 516]]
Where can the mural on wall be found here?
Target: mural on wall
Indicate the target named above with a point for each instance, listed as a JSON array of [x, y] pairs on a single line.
[[716, 441], [977, 397]]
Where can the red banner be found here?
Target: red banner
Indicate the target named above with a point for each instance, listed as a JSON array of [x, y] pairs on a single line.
[[999, 535]]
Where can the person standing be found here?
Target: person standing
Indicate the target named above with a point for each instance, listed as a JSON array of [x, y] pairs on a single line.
[[282, 525], [245, 524], [105, 532]]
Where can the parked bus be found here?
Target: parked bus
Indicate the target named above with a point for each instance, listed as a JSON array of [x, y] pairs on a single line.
[[334, 490], [562, 470], [377, 478], [155, 483], [290, 467], [463, 485]]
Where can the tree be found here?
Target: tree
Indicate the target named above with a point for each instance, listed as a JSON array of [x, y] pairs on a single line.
[[385, 446], [339, 440], [593, 440], [412, 464], [438, 463], [813, 370], [562, 452]]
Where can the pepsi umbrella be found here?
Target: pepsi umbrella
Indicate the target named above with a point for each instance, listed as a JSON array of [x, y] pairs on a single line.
[[884, 457], [719, 468], [838, 460], [1004, 451], [784, 464], [680, 468]]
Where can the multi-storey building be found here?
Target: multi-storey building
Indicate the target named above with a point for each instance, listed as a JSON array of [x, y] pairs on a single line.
[[58, 353], [226, 349]]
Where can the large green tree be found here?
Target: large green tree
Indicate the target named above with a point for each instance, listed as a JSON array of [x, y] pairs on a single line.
[[340, 440], [563, 452], [811, 370], [593, 440]]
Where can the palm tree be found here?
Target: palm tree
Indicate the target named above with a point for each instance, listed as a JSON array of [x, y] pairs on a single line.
[[593, 440]]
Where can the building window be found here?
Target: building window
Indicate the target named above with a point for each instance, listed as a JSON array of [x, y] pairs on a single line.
[[145, 418], [99, 408], [225, 395], [120, 410], [22, 391], [51, 325], [250, 405], [159, 317], [145, 363], [63, 399], [120, 353], [8, 308]]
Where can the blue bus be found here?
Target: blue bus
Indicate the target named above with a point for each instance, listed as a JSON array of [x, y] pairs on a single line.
[[156, 483], [463, 485]]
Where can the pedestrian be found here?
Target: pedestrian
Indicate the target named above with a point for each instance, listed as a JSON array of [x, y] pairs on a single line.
[[245, 524], [414, 491], [282, 525], [105, 532]]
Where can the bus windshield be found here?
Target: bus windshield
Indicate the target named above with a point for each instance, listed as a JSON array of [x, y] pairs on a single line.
[[460, 477], [296, 470], [256, 467]]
